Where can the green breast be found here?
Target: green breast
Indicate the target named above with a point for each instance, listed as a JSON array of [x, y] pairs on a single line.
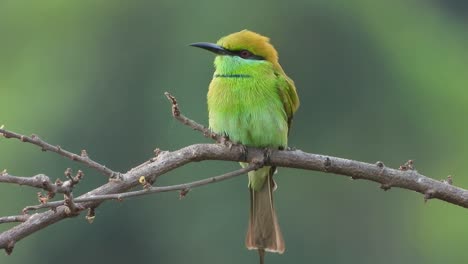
[[248, 109]]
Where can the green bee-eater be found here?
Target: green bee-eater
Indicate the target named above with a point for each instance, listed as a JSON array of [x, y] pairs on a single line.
[[252, 101]]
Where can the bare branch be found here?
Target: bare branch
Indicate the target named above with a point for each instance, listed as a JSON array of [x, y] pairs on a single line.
[[14, 218], [167, 161], [194, 125], [406, 177], [185, 187], [40, 181], [83, 158]]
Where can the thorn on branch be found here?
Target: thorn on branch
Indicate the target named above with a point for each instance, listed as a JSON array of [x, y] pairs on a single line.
[[380, 164], [9, 247], [79, 175], [91, 215], [74, 179], [429, 194], [183, 193], [409, 165], [45, 183], [156, 152], [448, 181], [115, 176], [68, 173], [71, 209], [58, 182], [385, 186], [42, 198], [84, 153], [327, 164], [50, 195]]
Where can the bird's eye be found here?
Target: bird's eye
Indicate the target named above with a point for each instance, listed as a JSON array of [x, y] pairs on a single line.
[[245, 54]]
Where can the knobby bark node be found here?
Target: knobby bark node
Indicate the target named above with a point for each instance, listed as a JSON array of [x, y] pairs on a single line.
[[140, 180]]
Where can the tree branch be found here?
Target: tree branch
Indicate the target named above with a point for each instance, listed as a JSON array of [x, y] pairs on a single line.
[[83, 158], [39, 181], [188, 122], [184, 188], [405, 177], [14, 218]]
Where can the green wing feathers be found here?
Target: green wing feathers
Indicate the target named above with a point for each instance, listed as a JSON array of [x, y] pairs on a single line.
[[288, 95]]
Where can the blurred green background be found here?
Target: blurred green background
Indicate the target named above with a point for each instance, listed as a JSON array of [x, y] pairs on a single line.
[[378, 80]]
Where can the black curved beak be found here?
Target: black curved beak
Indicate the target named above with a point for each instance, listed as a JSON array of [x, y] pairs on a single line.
[[212, 47]]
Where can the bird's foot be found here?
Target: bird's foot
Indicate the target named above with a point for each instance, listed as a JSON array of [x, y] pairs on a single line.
[[224, 140], [244, 151], [227, 142], [267, 155]]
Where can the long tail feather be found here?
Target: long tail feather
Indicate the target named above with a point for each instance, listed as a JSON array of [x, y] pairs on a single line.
[[264, 232]]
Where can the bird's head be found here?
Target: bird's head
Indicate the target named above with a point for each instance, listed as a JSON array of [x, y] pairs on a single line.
[[241, 50]]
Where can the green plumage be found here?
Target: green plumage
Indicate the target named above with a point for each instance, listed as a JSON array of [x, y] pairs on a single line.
[[252, 101], [248, 109]]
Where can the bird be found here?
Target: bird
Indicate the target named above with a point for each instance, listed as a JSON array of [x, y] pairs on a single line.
[[251, 101]]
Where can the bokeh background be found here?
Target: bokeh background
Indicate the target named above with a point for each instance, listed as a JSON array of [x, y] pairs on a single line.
[[378, 80]]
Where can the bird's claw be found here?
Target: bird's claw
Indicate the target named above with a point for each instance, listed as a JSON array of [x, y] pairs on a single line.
[[244, 151], [267, 155], [226, 142]]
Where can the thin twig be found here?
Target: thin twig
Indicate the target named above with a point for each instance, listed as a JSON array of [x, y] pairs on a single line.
[[83, 158], [194, 125], [40, 181], [14, 218], [179, 187], [73, 208]]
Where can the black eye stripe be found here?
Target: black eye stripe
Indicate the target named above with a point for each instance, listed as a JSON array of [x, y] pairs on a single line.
[[251, 57]]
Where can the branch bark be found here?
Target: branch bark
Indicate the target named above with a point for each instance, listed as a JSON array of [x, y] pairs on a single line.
[[82, 158], [14, 218], [405, 177]]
